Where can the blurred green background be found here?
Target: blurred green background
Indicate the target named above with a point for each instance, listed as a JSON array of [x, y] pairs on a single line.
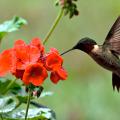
[[87, 93]]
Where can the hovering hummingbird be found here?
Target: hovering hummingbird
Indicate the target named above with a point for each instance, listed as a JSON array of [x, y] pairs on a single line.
[[106, 55]]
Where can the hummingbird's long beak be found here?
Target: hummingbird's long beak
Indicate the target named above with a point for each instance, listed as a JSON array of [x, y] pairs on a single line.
[[67, 51]]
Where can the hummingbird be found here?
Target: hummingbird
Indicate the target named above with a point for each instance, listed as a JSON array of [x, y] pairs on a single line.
[[107, 54]]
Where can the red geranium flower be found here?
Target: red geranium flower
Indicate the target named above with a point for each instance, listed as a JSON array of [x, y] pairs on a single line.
[[30, 63], [53, 60], [7, 62], [19, 73], [35, 74], [25, 54], [37, 43], [60, 74]]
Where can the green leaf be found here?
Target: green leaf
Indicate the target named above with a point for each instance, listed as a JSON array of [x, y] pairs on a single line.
[[15, 88], [7, 104], [22, 96], [33, 114], [11, 26], [22, 99]]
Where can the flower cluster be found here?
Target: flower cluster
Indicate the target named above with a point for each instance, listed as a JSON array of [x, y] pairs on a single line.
[[69, 6], [31, 64]]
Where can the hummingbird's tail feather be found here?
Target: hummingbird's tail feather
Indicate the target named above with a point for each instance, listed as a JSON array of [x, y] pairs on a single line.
[[115, 81], [67, 51]]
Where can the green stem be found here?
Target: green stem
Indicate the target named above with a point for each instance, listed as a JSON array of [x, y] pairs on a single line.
[[28, 103], [9, 86], [53, 26]]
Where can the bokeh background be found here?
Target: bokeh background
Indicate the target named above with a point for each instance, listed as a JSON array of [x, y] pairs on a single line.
[[87, 94]]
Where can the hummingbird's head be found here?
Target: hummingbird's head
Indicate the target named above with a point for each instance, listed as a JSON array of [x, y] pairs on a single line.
[[85, 44]]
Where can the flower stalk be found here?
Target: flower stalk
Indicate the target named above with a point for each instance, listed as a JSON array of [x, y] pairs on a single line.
[[29, 98], [28, 102], [55, 23]]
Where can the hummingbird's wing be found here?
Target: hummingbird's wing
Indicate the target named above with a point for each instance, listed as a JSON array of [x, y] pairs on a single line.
[[113, 38]]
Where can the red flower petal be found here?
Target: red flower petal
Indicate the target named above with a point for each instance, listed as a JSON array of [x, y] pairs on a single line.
[[22, 57], [19, 73], [34, 54], [54, 77], [54, 50], [7, 62], [19, 43], [35, 74], [60, 74], [53, 61], [37, 43], [25, 54]]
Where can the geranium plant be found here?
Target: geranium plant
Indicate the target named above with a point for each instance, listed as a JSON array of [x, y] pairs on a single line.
[[30, 65]]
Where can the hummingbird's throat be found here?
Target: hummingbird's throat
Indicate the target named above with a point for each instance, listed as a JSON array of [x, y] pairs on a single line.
[[95, 48]]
